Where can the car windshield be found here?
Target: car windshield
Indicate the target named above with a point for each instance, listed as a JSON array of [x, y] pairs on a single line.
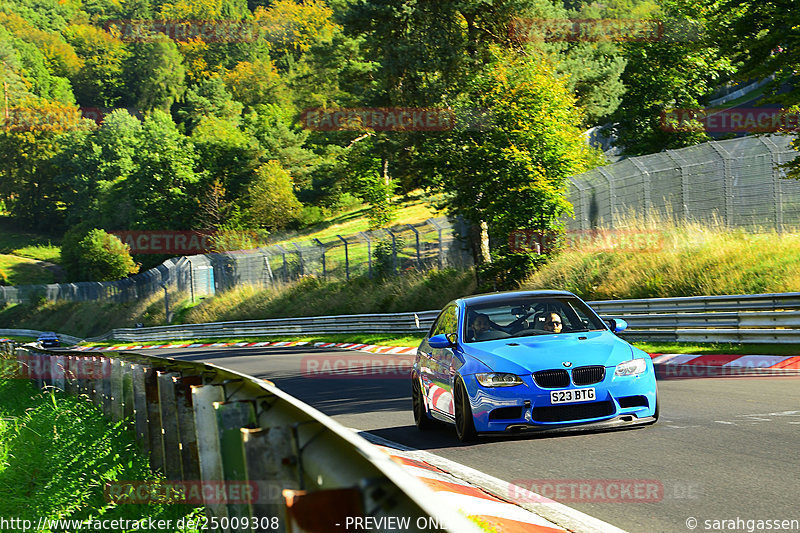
[[528, 317]]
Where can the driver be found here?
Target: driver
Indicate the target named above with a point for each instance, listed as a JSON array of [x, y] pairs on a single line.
[[480, 326], [553, 323]]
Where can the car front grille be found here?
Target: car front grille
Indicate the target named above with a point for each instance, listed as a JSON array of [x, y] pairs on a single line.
[[566, 413], [633, 401], [551, 379], [587, 375]]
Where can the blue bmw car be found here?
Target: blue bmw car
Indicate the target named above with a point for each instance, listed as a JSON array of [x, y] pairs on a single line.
[[532, 360]]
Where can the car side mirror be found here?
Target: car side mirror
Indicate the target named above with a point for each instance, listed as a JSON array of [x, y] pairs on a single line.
[[617, 325], [440, 341]]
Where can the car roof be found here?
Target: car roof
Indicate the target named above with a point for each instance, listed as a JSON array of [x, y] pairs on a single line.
[[507, 295]]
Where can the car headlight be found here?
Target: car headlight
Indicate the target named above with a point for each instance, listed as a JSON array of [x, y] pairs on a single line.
[[498, 379], [631, 368]]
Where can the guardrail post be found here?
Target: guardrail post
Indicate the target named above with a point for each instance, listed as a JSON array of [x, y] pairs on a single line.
[[186, 426], [116, 390], [346, 258], [324, 268], [128, 407], [96, 383], [208, 448], [154, 433], [231, 418], [173, 469], [369, 252], [269, 454], [140, 405]]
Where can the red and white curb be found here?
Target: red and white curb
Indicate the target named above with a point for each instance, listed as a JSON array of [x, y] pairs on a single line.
[[371, 348], [486, 498], [784, 362]]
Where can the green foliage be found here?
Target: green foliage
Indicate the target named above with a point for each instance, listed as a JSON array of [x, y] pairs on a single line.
[[58, 452], [272, 200], [155, 74], [384, 256], [96, 256], [3, 277], [512, 175], [506, 271]]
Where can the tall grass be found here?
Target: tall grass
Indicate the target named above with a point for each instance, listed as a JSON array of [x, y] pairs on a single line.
[[689, 260], [313, 297], [57, 452], [87, 319]]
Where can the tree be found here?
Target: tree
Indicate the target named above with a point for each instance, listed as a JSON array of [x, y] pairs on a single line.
[[512, 173], [99, 80], [272, 200], [96, 256], [163, 183], [155, 74]]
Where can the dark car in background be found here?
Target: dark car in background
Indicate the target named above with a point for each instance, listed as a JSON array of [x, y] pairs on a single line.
[[48, 339]]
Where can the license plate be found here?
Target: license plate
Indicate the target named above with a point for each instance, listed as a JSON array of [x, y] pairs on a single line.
[[572, 395]]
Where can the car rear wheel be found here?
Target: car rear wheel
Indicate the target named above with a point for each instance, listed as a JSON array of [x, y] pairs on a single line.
[[465, 424], [421, 419]]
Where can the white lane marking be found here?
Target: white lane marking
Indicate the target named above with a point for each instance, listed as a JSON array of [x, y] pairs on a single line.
[[724, 422]]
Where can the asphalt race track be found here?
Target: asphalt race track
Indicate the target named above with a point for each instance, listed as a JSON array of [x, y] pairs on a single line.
[[724, 448]]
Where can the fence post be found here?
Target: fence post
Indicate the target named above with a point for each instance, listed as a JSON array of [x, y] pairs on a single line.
[[324, 269], [727, 180], [441, 242], [300, 258], [776, 185], [416, 237], [346, 258], [369, 252], [285, 266], [394, 250]]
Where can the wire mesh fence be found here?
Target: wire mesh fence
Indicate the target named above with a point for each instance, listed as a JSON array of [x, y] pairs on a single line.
[[432, 244], [736, 183]]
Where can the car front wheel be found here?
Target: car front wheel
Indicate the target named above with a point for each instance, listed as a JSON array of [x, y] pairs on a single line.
[[421, 419], [465, 424]]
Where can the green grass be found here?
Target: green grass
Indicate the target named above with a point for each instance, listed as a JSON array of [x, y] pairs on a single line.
[[88, 319], [315, 297], [25, 244], [57, 452], [416, 208], [23, 271]]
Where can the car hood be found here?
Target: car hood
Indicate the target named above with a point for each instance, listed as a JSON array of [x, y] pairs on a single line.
[[543, 352]]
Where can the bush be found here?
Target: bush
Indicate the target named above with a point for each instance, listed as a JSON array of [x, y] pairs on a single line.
[[506, 271], [96, 256], [3, 278]]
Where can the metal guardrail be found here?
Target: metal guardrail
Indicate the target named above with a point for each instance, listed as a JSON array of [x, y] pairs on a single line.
[[756, 318], [202, 423], [320, 325], [35, 333]]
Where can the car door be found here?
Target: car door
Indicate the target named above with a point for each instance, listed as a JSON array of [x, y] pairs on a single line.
[[440, 394]]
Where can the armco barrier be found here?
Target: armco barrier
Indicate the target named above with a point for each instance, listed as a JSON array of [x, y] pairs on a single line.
[[212, 426], [759, 318]]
